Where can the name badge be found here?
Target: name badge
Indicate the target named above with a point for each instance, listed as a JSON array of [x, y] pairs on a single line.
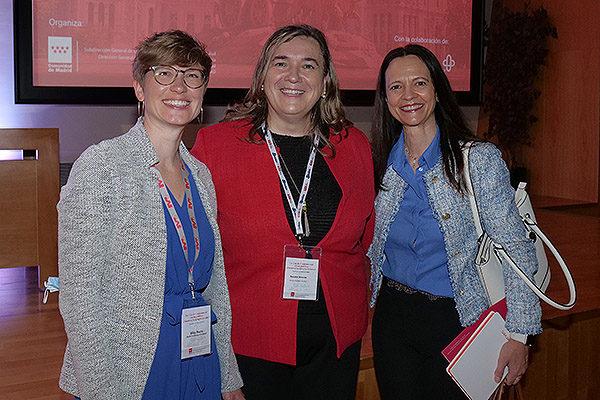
[[196, 331], [301, 272]]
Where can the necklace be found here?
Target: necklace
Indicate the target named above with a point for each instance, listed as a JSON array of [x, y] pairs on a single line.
[[304, 209], [413, 160], [289, 174]]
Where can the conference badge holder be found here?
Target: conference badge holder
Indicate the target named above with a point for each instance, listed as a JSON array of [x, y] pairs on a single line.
[[301, 272], [196, 327]]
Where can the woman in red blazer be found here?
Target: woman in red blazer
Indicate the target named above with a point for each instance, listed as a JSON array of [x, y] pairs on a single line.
[[295, 193]]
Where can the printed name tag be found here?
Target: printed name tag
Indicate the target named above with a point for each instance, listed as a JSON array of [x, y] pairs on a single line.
[[195, 331], [301, 273]]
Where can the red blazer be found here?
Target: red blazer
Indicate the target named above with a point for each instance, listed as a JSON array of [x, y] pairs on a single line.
[[254, 230]]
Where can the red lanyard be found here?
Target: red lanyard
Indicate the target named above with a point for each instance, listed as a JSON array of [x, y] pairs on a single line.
[[166, 197]]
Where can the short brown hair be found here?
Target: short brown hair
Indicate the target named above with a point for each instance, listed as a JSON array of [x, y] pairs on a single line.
[[173, 47]]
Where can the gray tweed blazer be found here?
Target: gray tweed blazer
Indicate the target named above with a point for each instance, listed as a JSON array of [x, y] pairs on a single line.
[[500, 219], [112, 256]]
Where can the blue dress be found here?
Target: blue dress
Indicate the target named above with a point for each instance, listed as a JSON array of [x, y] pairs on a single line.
[[196, 378]]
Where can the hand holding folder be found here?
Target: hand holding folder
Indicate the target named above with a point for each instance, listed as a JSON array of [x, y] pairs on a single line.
[[473, 355], [456, 345]]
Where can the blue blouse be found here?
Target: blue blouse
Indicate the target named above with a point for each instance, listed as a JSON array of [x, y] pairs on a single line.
[[415, 251], [196, 378]]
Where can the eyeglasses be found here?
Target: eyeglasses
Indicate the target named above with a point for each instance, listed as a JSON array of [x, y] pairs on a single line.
[[166, 75]]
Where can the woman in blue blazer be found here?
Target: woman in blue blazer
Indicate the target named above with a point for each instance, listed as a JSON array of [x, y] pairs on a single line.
[[423, 274]]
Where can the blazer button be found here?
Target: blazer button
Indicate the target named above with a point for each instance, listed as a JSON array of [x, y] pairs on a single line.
[[462, 291], [458, 253], [435, 179], [445, 216]]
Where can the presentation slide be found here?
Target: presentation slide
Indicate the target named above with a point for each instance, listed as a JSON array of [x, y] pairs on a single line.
[[81, 43]]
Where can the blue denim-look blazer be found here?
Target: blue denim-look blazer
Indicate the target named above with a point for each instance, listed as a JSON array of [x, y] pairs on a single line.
[[500, 219]]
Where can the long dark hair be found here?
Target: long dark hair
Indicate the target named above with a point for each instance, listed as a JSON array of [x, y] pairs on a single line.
[[327, 114], [385, 129]]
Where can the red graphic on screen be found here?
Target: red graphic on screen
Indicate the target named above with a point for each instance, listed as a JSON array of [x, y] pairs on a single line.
[[59, 49], [96, 40]]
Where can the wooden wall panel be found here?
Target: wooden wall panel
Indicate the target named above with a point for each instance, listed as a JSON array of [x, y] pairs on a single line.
[[564, 161], [40, 197], [565, 361], [18, 213]]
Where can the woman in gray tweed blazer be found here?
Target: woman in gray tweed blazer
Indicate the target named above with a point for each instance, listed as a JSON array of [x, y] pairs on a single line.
[[128, 278], [423, 273]]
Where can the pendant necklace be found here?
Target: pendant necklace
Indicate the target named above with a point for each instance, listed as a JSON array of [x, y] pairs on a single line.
[[304, 209], [413, 160]]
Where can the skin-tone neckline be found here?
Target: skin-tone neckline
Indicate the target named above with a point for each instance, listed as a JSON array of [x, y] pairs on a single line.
[[416, 141], [297, 129]]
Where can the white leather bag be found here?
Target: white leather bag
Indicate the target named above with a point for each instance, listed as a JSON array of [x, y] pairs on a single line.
[[491, 256]]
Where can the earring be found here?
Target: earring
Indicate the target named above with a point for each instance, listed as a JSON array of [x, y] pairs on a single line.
[[200, 117], [140, 108], [437, 100], [324, 94], [262, 87]]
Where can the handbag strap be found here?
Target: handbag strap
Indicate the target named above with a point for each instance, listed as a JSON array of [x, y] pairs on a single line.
[[470, 190], [501, 251]]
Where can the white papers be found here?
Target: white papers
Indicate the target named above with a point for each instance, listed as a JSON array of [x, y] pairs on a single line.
[[474, 365]]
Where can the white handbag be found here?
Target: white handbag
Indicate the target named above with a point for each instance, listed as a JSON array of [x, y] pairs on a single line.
[[491, 256]]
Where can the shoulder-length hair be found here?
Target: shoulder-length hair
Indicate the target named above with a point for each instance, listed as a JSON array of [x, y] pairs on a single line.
[[327, 114], [385, 129]]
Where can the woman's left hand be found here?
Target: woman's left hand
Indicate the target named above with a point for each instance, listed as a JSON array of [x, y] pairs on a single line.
[[515, 356], [235, 395]]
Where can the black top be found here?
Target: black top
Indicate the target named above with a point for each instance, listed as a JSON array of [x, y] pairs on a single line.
[[322, 201]]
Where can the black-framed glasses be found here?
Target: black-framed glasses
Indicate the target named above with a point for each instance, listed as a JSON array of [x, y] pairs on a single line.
[[166, 75]]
